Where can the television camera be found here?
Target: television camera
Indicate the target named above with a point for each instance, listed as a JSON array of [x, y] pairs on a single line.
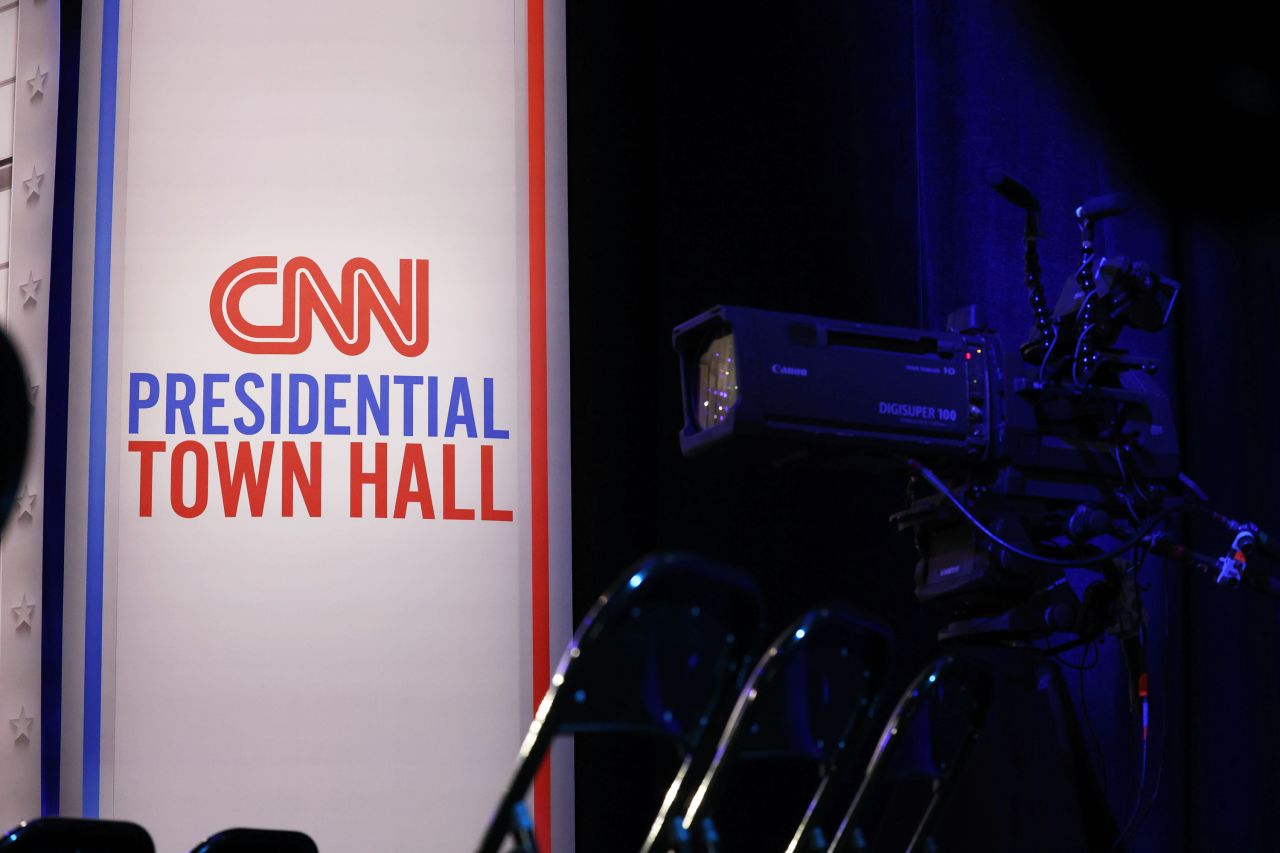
[[1057, 453]]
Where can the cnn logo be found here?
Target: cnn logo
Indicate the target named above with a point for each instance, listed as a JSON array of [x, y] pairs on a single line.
[[307, 298]]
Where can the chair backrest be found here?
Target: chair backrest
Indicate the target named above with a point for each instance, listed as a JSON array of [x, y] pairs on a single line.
[[813, 697], [662, 652], [924, 744], [76, 835], [257, 841], [15, 425]]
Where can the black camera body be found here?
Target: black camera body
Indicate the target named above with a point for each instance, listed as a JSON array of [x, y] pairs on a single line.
[[1034, 455], [832, 391], [1043, 455], [846, 393]]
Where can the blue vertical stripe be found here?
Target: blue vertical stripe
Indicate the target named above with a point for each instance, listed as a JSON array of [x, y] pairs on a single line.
[[56, 387], [92, 773]]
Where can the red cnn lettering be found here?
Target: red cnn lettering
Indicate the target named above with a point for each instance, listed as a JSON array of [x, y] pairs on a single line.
[[450, 479], [413, 470], [242, 475], [177, 469], [303, 478], [146, 451], [487, 512], [306, 296], [376, 478]]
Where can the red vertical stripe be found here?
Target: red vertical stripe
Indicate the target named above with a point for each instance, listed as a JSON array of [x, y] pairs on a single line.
[[538, 402]]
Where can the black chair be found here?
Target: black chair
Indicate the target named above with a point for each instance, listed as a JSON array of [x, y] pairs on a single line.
[[257, 841], [76, 835], [662, 652], [15, 425], [811, 700], [924, 743]]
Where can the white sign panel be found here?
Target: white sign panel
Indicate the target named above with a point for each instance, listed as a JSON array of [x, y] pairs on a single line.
[[318, 425]]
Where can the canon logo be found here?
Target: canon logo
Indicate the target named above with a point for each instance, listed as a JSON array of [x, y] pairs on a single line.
[[305, 293], [784, 370]]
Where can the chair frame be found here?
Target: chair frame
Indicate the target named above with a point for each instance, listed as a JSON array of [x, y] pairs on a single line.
[[699, 806], [913, 701], [511, 818]]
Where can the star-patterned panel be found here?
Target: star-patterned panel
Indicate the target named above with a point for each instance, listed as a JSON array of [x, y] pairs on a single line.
[[29, 38], [23, 613]]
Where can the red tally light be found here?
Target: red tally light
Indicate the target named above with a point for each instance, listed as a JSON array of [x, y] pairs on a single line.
[[968, 356]]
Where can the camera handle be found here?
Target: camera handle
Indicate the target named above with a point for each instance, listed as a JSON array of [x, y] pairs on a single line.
[[1017, 194], [1087, 216]]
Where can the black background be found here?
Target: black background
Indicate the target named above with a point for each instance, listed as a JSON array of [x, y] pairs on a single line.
[[829, 158]]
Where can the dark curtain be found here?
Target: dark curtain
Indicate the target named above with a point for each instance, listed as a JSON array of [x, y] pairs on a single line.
[[830, 158], [1232, 659]]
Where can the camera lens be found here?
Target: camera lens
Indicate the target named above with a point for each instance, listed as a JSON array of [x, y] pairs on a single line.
[[717, 381]]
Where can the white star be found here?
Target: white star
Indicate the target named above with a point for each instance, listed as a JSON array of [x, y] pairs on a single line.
[[22, 726], [26, 504], [23, 613], [37, 82], [33, 183], [29, 288]]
